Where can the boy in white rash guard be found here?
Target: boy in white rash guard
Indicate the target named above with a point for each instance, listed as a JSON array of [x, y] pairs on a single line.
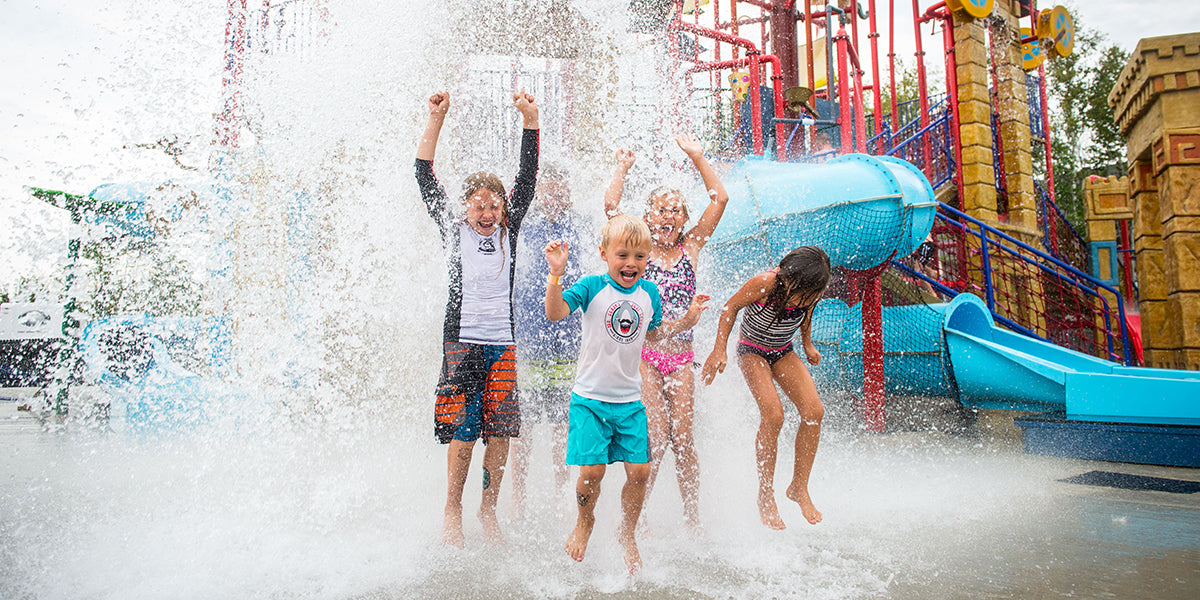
[[477, 390], [607, 421]]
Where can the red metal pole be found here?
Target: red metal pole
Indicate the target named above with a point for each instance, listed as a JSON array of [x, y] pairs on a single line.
[[1051, 222], [860, 117], [952, 92], [892, 65], [845, 119], [922, 93], [783, 42], [231, 82], [875, 91], [1127, 262], [755, 105], [872, 321], [808, 44]]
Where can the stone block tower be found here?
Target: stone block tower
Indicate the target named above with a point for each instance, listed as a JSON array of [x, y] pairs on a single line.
[[1156, 103]]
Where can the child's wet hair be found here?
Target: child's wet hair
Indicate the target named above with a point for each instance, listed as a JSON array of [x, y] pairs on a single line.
[[483, 179], [551, 173], [803, 271], [629, 228]]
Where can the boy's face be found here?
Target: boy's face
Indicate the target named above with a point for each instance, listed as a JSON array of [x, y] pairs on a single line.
[[626, 262], [484, 211]]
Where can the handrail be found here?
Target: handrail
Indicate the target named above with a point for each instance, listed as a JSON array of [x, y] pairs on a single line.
[[1045, 196], [984, 227]]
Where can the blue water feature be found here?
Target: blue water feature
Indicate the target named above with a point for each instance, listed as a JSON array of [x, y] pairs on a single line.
[[996, 368], [860, 209], [913, 357]]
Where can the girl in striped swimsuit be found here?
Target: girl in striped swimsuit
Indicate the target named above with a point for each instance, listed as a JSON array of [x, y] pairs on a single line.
[[668, 384], [778, 303]]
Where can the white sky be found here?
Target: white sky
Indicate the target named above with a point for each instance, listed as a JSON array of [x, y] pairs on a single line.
[[85, 81]]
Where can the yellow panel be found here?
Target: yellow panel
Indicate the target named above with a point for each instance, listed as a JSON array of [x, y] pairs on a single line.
[[1031, 52], [975, 8]]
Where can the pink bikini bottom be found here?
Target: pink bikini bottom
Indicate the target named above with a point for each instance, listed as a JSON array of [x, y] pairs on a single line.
[[667, 363]]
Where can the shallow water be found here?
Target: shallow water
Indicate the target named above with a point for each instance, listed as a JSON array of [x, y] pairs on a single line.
[[355, 513]]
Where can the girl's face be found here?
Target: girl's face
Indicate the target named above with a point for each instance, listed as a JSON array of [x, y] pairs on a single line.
[[666, 217], [485, 211]]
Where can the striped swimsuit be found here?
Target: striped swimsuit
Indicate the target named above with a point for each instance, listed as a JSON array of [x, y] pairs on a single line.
[[767, 332]]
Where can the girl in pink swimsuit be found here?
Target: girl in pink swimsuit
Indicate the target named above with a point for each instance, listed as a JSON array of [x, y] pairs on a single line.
[[668, 382]]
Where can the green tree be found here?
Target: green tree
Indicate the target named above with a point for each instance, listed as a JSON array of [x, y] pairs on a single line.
[[1084, 137]]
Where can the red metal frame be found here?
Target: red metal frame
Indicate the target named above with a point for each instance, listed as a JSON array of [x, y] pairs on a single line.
[[231, 81]]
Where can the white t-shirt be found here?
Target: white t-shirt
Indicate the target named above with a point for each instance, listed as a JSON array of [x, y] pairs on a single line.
[[486, 267], [615, 322]]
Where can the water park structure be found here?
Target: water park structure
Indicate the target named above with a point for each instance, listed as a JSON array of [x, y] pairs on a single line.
[[959, 275]]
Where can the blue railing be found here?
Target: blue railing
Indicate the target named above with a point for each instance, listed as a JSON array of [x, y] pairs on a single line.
[[1067, 244], [1069, 323], [931, 150]]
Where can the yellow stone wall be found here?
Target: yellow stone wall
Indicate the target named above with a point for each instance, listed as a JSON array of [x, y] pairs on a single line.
[[1156, 103]]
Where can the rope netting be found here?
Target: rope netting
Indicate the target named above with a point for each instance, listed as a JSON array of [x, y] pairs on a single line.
[[1026, 290]]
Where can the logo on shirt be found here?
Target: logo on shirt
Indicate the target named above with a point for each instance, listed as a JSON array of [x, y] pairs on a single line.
[[487, 246], [622, 321]]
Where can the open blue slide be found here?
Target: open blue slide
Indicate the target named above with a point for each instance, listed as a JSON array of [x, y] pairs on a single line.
[[996, 368]]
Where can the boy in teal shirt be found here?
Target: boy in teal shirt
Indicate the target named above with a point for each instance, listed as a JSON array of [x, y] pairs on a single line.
[[607, 420]]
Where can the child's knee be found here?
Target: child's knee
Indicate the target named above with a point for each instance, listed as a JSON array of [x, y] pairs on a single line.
[[591, 474], [813, 415], [772, 420], [638, 474]]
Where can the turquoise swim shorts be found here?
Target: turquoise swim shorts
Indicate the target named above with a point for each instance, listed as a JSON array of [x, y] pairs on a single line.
[[602, 433]]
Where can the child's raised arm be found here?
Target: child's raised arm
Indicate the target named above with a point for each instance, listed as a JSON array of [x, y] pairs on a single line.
[[439, 104], [528, 107], [612, 196], [556, 257], [695, 239], [754, 290]]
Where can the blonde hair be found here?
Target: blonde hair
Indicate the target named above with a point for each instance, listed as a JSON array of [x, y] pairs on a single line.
[[629, 228]]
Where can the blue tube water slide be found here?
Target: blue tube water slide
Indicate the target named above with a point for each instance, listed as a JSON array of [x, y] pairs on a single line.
[[862, 210], [996, 368]]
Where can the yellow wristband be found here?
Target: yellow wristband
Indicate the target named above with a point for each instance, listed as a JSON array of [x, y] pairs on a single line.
[[554, 280]]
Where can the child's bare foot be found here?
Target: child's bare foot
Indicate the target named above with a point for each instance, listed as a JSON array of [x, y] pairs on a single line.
[[769, 512], [577, 544], [799, 495], [452, 531], [633, 559], [491, 526]]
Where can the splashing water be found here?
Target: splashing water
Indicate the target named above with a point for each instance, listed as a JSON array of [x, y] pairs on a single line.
[[329, 270]]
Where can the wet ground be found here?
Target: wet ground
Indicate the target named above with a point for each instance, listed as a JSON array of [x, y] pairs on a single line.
[[354, 513]]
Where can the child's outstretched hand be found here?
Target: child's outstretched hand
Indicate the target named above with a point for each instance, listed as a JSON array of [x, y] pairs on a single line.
[[811, 353], [528, 107], [625, 160], [715, 364], [439, 104], [556, 256], [690, 146], [698, 305]]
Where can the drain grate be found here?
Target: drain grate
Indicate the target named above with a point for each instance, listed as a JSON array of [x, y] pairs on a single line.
[[1135, 482]]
